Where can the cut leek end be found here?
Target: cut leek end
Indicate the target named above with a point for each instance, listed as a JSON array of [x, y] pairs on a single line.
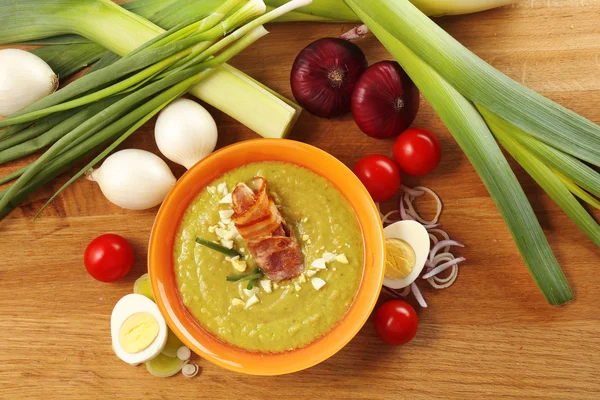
[[259, 108]]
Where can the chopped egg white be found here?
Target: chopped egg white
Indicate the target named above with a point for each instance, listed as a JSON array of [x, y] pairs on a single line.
[[211, 189], [275, 285], [317, 283], [227, 243], [266, 285], [297, 286], [251, 292], [238, 265], [237, 302], [251, 301], [212, 229], [311, 272], [342, 259], [302, 278], [319, 263], [329, 257], [305, 237], [222, 188], [225, 214], [227, 199]]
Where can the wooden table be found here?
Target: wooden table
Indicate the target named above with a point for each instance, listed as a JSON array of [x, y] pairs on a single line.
[[489, 336]]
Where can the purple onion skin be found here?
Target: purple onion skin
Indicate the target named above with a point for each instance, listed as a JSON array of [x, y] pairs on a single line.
[[385, 101], [324, 75]]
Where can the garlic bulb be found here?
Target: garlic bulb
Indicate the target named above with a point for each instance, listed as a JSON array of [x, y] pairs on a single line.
[[134, 179], [24, 79], [185, 132]]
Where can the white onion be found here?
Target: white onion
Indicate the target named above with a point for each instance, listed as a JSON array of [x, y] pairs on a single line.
[[134, 179], [24, 79], [185, 132]]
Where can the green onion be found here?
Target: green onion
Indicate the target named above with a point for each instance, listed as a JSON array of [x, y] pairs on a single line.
[[484, 85], [65, 64], [217, 247], [474, 137]]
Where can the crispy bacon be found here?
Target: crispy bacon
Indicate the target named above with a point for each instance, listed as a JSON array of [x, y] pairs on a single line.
[[267, 236]]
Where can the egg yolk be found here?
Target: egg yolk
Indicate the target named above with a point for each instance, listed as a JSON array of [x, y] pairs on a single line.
[[400, 259], [138, 332]]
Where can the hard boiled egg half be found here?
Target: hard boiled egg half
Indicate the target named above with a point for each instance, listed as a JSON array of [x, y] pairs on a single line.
[[407, 247], [138, 330]]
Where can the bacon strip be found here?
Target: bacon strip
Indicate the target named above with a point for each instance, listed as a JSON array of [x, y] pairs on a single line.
[[267, 236]]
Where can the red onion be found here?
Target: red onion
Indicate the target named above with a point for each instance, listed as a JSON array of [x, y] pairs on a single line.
[[443, 267], [324, 75], [443, 243], [385, 101]]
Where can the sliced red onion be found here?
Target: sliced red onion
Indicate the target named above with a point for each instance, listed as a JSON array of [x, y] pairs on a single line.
[[443, 267], [414, 213], [443, 283], [442, 257], [450, 277], [386, 217], [431, 226], [434, 240], [443, 243], [417, 293], [379, 210], [403, 215], [411, 192], [355, 33]]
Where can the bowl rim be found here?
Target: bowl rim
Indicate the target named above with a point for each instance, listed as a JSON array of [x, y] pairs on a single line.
[[166, 225]]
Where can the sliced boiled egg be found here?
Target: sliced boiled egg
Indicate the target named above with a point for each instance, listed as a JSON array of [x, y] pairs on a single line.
[[407, 247], [138, 330]]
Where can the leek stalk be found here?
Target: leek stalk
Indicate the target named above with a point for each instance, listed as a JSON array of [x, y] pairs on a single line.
[[474, 137], [121, 32]]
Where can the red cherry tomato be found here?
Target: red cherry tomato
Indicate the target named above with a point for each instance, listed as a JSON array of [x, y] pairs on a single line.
[[417, 151], [108, 258], [396, 322], [380, 175]]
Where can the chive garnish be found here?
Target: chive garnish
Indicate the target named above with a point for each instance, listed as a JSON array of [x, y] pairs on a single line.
[[217, 247], [253, 277]]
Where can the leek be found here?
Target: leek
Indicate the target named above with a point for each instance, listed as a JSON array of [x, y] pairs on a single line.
[[544, 176], [121, 32], [474, 137], [484, 85]]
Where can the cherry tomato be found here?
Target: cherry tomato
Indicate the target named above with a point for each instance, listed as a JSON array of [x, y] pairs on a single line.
[[396, 322], [417, 151], [108, 258], [380, 175]]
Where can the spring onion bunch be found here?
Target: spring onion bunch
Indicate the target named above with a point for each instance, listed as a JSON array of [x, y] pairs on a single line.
[[110, 103], [480, 105]]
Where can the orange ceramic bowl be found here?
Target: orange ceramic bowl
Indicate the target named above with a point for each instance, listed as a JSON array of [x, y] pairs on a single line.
[[161, 268]]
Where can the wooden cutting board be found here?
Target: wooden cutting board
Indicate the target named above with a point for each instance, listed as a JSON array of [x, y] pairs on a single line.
[[489, 336]]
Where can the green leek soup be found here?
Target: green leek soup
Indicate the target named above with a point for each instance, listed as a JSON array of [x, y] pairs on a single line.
[[272, 317]]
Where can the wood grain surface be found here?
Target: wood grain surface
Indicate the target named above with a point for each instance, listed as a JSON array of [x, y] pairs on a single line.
[[490, 336]]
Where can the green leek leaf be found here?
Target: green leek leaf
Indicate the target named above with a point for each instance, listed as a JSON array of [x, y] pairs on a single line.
[[474, 137]]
